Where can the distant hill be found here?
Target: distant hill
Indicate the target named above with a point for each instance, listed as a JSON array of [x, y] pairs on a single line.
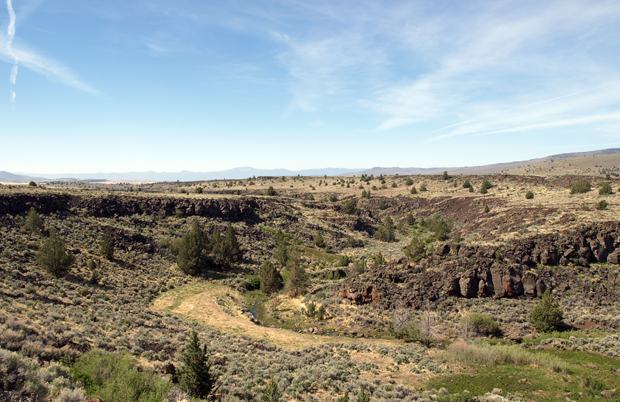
[[519, 167], [594, 165], [486, 169], [236, 173], [6, 176]]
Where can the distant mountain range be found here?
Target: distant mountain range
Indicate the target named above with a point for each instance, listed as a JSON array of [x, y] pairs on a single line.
[[245, 172], [485, 169], [237, 173]]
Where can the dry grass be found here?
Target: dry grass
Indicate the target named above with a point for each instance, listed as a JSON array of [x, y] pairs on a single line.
[[217, 307]]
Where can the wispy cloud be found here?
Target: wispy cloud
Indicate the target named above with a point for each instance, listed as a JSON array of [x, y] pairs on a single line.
[[506, 64], [19, 54], [46, 66], [9, 43]]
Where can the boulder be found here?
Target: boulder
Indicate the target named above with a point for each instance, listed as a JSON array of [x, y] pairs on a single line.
[[442, 249], [540, 287], [529, 283], [483, 289], [614, 257], [469, 287]]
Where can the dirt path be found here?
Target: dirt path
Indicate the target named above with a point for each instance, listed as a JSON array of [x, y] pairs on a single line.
[[215, 306]]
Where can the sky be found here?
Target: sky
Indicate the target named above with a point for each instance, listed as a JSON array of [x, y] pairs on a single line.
[[115, 86]]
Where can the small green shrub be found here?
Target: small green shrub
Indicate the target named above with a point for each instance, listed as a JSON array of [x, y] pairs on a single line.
[[271, 393], [605, 189], [486, 209], [601, 205], [416, 249], [385, 233], [271, 192], [580, 186], [466, 184], [113, 377], [423, 187], [529, 195], [349, 207], [413, 190], [33, 223], [198, 190], [480, 323], [408, 182]]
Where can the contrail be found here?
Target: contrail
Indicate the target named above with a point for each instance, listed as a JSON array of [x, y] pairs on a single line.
[[9, 43]]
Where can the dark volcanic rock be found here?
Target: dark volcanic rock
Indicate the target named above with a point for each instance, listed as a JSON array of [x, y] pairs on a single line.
[[479, 271], [110, 206]]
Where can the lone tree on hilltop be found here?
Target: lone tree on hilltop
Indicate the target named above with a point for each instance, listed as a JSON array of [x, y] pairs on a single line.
[[192, 257], [53, 256], [546, 316], [195, 376], [107, 248], [34, 223]]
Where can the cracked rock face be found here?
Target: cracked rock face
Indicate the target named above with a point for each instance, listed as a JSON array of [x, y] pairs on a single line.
[[520, 271]]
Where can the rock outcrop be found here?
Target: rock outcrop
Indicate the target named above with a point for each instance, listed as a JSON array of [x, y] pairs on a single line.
[[521, 269]]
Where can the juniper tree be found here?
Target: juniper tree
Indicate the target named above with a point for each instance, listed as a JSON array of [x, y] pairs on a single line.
[[192, 255], [410, 219], [230, 245], [195, 376], [485, 186], [271, 393], [349, 206], [34, 223], [107, 248], [215, 246], [605, 189], [318, 240], [270, 279], [547, 315], [296, 281], [53, 256], [416, 249]]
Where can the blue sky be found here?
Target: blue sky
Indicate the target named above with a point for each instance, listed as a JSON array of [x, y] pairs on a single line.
[[92, 86]]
